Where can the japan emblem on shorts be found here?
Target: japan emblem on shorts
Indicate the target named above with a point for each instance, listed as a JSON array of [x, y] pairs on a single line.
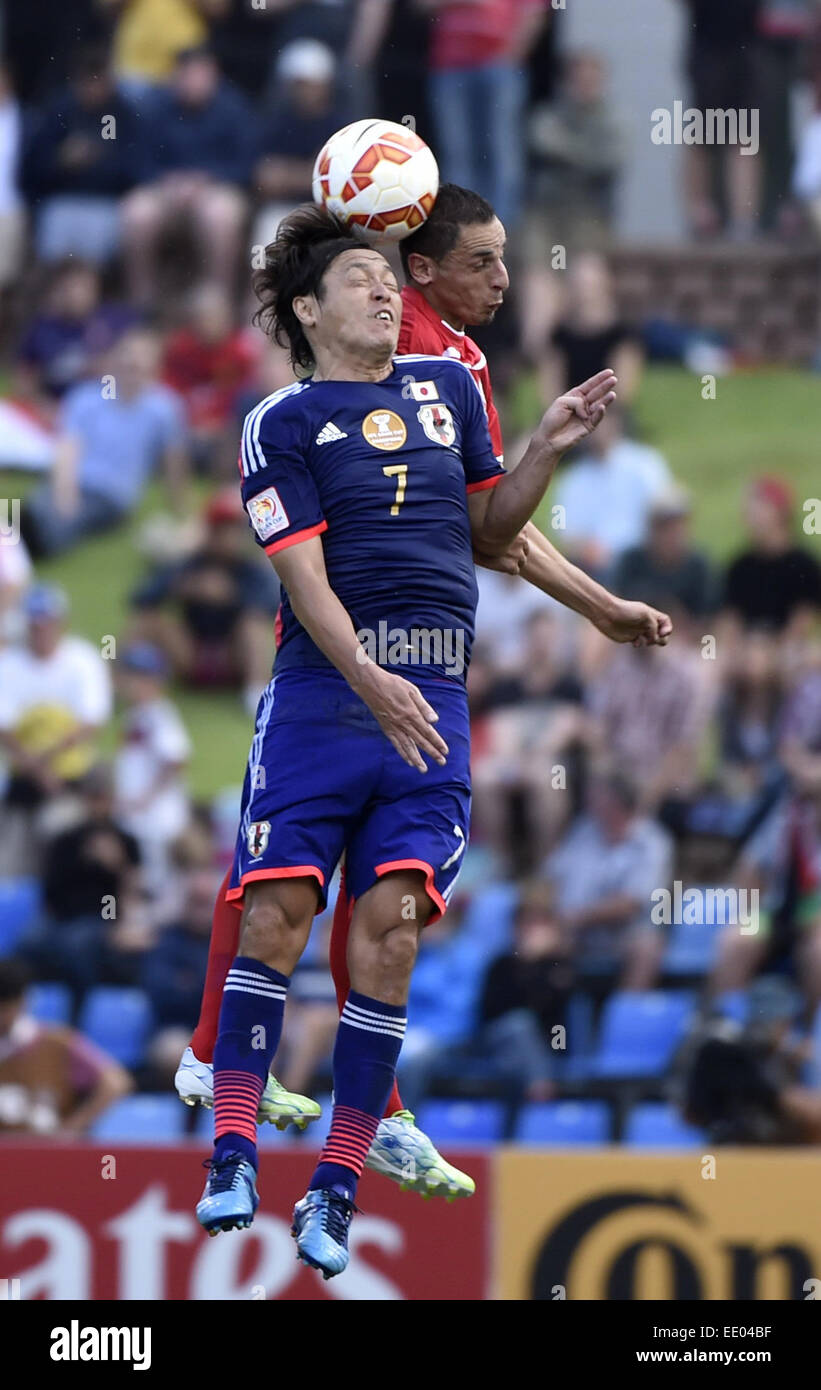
[[437, 422], [257, 834]]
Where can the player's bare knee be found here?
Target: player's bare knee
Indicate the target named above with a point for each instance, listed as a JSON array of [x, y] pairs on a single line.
[[275, 923], [397, 950]]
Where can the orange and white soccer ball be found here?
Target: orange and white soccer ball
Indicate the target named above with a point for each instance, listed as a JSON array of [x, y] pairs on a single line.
[[378, 176]]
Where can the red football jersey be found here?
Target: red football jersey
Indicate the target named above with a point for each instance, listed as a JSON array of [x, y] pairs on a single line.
[[423, 331]]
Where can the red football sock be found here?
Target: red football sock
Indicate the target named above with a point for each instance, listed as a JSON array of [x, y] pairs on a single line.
[[221, 951], [338, 953]]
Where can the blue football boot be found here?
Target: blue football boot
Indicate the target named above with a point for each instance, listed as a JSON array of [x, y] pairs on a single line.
[[320, 1229], [230, 1196]]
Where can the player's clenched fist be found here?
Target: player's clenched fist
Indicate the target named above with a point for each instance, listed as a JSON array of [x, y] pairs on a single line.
[[404, 716]]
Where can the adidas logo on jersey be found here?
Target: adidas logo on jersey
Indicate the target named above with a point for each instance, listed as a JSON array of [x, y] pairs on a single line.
[[329, 433]]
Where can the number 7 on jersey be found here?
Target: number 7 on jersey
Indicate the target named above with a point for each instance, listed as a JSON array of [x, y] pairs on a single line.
[[399, 471]]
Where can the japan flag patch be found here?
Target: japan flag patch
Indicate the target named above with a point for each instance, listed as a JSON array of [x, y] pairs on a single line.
[[268, 516], [424, 391]]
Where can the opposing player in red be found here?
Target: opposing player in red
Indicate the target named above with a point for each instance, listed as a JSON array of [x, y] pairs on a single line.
[[456, 277]]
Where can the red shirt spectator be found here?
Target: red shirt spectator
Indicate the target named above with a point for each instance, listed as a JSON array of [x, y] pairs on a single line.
[[467, 33]]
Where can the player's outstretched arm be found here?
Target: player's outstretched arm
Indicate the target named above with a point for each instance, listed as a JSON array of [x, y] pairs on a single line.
[[403, 713], [497, 514], [622, 620]]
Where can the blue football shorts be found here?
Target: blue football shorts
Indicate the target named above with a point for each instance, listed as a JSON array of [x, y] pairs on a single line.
[[323, 778]]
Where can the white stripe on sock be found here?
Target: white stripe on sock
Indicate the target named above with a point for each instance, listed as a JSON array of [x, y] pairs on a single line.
[[370, 1013], [370, 1028]]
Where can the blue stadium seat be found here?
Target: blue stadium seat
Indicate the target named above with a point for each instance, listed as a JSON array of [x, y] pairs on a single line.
[[146, 1119], [640, 1031], [458, 1121], [733, 1004], [575, 1063], [19, 905], [655, 1125], [117, 1020], [488, 919], [49, 1002], [565, 1122]]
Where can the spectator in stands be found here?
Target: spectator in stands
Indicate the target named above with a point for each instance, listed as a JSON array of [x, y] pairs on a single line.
[[799, 729], [604, 872], [53, 1081], [533, 726], [12, 213], [212, 614], [506, 608], [55, 696], [172, 971], [650, 717], [779, 868], [749, 710], [15, 573], [575, 152], [665, 569], [200, 145], [606, 495], [590, 334], [113, 436], [774, 582], [93, 927], [522, 1010], [479, 50], [83, 153], [209, 362], [784, 35], [393, 40], [62, 342], [150, 34], [721, 64], [151, 799], [443, 1002], [305, 115]]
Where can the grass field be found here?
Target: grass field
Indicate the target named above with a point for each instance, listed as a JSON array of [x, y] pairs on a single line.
[[766, 421]]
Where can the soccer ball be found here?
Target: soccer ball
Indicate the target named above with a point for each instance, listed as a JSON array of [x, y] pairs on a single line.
[[378, 176]]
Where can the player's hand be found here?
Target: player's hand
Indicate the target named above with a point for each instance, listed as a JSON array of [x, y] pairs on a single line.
[[637, 623], [405, 717], [511, 561], [576, 414]]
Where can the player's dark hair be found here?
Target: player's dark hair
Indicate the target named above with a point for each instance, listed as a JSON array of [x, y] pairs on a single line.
[[454, 209], [307, 240]]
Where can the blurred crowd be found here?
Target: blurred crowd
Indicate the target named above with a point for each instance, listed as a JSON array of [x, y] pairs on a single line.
[[139, 167]]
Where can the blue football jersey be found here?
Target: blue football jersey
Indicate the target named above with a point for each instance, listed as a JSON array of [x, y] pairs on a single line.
[[381, 470]]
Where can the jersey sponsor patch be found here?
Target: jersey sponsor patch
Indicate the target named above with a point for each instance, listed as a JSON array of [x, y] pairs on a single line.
[[257, 835], [384, 429], [437, 422], [267, 513], [424, 391]]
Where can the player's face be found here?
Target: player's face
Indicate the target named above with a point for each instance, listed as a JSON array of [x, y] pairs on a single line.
[[360, 310], [471, 279]]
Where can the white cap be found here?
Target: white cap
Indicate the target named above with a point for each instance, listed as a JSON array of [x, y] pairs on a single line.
[[306, 60]]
